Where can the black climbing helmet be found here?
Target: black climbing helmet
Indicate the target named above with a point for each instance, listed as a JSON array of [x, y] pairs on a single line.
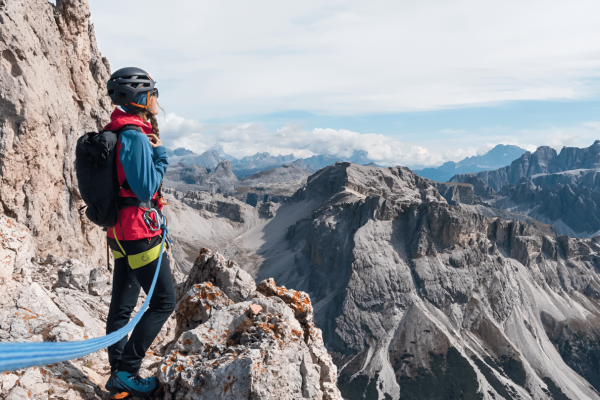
[[125, 84]]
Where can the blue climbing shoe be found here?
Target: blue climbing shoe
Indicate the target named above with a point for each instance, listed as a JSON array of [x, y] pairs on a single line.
[[133, 384]]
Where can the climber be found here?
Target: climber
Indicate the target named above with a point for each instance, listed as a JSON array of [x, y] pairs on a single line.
[[136, 238]]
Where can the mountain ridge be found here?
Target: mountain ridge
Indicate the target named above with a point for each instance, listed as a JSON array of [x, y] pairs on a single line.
[[421, 298], [560, 189], [499, 156], [260, 161]]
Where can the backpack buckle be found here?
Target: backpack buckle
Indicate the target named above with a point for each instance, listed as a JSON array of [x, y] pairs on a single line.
[[149, 221]]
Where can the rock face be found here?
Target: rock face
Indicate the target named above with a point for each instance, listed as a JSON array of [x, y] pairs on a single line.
[[456, 193], [52, 90], [419, 299], [557, 189], [275, 184], [200, 219], [48, 299], [244, 343], [572, 209], [543, 161], [213, 203]]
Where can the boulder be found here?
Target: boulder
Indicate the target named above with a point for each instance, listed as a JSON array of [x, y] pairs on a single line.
[[74, 274], [262, 346], [236, 283]]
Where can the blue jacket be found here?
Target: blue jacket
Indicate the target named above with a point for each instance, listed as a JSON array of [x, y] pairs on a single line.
[[144, 165]]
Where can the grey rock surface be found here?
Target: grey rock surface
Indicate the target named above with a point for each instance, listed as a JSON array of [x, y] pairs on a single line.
[[562, 190], [543, 161], [213, 203], [201, 219], [382, 253], [262, 346], [34, 308], [235, 283], [456, 193], [219, 179], [275, 184], [573, 209], [52, 90], [418, 298], [75, 274]]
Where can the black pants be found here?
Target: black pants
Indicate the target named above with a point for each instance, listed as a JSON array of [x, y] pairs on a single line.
[[127, 355]]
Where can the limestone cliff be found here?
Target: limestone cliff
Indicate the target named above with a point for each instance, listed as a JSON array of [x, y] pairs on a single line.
[[557, 189], [52, 90], [419, 299]]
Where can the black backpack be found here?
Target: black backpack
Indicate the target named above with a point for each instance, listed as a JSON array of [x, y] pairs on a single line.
[[96, 169]]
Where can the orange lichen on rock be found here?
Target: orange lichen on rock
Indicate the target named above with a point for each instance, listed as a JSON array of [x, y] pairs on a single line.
[[298, 301]]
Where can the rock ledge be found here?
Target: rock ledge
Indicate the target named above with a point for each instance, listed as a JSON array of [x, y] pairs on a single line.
[[263, 346]]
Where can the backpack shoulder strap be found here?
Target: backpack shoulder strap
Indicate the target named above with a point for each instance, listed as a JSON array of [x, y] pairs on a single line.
[[125, 184]]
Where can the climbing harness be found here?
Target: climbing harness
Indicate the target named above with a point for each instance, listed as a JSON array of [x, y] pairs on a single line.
[[136, 261], [15, 356]]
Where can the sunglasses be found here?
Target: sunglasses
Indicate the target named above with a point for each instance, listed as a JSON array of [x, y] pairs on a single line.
[[154, 93]]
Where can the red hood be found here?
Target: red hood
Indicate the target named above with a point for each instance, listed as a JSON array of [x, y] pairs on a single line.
[[119, 119]]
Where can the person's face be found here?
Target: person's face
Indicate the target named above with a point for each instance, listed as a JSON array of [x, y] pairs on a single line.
[[153, 106]]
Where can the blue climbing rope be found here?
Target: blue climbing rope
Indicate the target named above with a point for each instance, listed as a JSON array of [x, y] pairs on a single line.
[[15, 356]]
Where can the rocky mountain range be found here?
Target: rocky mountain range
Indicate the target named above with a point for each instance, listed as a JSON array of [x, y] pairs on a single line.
[[274, 184], [258, 162], [560, 189], [498, 157], [220, 179], [417, 298], [215, 171]]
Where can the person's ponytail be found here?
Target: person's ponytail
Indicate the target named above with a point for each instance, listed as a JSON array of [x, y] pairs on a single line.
[[153, 121]]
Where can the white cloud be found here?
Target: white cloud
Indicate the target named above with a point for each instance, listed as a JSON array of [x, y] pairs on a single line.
[[217, 59], [245, 139], [241, 140]]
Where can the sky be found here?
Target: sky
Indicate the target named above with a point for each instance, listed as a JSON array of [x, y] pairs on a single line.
[[410, 83]]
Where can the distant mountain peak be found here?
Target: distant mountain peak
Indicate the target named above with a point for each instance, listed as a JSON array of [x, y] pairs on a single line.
[[218, 148], [499, 156], [181, 151]]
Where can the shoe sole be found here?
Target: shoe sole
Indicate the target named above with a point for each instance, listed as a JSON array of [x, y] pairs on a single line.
[[120, 396]]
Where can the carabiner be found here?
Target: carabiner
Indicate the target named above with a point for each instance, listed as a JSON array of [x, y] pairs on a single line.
[[149, 221]]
